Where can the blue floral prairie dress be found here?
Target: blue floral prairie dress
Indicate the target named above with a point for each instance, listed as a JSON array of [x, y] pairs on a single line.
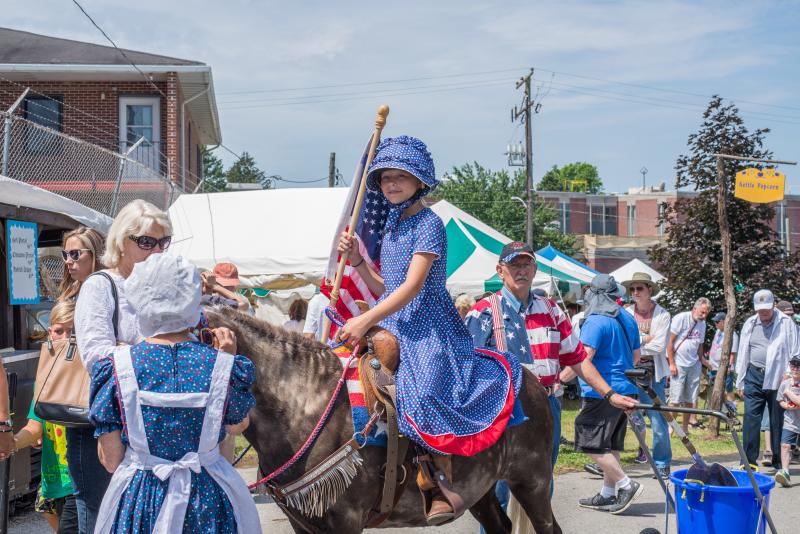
[[171, 403], [451, 397]]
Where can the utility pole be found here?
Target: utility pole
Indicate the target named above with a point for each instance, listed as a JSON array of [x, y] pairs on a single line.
[[332, 170], [526, 111]]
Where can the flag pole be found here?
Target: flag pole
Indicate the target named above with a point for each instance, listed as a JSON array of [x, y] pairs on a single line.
[[380, 122]]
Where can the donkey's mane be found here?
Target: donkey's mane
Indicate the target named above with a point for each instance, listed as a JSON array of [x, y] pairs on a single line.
[[252, 332]]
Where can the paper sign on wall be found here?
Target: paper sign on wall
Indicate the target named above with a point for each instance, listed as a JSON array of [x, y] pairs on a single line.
[[22, 252], [760, 185]]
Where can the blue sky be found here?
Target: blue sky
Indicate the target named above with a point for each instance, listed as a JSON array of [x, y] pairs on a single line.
[[298, 80]]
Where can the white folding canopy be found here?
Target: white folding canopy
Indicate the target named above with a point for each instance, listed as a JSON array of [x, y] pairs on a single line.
[[635, 266], [16, 193]]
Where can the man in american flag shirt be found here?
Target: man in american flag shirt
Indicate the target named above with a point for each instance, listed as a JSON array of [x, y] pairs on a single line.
[[536, 331]]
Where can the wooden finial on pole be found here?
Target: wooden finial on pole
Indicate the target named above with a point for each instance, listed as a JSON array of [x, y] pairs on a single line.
[[380, 122]]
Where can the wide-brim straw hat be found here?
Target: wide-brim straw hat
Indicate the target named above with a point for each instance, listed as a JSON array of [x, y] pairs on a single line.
[[642, 278]]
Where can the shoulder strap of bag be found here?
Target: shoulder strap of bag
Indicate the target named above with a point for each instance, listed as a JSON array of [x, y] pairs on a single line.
[[115, 315], [498, 326], [689, 333]]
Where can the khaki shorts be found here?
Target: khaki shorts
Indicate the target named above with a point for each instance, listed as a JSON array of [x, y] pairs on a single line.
[[685, 387]]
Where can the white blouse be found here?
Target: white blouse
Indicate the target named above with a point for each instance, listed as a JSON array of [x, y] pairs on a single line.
[[93, 319]]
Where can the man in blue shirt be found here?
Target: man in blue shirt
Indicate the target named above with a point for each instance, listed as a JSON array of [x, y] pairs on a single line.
[[611, 340]]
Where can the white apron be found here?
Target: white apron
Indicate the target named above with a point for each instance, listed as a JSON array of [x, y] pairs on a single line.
[[137, 456]]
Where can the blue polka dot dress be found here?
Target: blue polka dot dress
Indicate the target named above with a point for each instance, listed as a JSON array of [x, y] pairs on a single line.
[[171, 432], [452, 398]]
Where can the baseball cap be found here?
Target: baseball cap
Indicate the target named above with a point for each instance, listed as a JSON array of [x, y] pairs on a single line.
[[226, 274], [719, 316], [763, 300], [514, 249]]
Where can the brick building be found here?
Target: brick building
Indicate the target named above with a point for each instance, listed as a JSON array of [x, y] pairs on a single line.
[[93, 93], [614, 228]]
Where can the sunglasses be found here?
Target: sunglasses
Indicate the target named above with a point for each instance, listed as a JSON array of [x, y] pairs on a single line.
[[145, 242], [638, 288], [74, 254]]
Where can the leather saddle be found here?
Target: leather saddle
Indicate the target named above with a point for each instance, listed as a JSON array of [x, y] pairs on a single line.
[[377, 364]]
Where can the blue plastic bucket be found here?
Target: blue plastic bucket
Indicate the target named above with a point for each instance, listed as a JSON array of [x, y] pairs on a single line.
[[720, 510]]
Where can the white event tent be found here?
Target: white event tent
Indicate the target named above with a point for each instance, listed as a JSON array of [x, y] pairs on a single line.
[[635, 266], [280, 238]]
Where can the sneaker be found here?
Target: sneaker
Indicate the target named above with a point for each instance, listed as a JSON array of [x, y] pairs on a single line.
[[731, 406], [594, 469], [663, 472], [782, 477], [641, 458], [625, 497], [598, 502], [766, 459]]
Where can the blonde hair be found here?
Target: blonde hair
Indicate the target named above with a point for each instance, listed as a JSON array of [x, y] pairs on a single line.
[[63, 312], [464, 301], [136, 218], [94, 241]]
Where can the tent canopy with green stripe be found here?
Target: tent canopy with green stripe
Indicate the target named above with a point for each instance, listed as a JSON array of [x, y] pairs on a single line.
[[473, 248]]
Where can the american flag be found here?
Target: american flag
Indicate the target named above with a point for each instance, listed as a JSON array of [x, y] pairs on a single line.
[[369, 231]]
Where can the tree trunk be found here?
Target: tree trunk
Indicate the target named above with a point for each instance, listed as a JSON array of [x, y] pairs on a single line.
[[718, 393]]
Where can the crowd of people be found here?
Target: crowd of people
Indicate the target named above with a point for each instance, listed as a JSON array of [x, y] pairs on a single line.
[[165, 407]]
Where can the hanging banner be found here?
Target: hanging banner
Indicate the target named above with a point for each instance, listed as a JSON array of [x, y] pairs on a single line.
[[23, 262], [760, 185]]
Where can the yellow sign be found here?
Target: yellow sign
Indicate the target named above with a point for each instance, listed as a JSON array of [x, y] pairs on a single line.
[[760, 186]]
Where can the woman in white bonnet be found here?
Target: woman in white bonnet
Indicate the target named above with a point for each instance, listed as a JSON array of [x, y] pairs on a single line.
[[162, 406]]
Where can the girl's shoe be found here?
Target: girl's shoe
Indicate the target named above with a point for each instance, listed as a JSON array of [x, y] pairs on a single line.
[[783, 478]]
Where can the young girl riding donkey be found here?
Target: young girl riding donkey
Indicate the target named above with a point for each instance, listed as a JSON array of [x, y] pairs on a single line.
[[161, 408], [451, 398]]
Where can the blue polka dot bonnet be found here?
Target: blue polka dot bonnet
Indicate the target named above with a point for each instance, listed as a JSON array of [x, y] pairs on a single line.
[[165, 291], [408, 154]]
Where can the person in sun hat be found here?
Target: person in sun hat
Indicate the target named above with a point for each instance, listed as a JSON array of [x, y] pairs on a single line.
[[220, 285], [611, 339], [653, 322], [162, 406], [766, 344], [451, 399], [715, 353]]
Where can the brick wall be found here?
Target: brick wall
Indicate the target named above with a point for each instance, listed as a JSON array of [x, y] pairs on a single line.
[[647, 217], [90, 111], [579, 216]]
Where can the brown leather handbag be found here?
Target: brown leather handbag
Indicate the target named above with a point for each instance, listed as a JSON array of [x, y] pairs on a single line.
[[62, 382]]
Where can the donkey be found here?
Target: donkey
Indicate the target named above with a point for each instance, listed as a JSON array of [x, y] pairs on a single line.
[[295, 378]]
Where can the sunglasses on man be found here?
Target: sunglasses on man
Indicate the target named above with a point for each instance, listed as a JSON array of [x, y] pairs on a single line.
[[635, 289], [146, 242], [74, 254]]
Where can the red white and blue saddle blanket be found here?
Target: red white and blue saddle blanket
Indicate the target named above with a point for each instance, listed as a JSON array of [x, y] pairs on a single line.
[[358, 406]]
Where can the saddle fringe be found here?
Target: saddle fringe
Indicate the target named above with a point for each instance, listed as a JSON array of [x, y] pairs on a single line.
[[319, 489]]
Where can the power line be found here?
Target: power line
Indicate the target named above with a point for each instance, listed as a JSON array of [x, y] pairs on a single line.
[[298, 101], [121, 51], [359, 93], [355, 84]]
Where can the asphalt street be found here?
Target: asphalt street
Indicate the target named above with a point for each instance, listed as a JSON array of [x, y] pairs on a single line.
[[647, 511]]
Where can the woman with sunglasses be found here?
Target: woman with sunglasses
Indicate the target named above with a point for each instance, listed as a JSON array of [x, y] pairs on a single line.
[[139, 230], [81, 252]]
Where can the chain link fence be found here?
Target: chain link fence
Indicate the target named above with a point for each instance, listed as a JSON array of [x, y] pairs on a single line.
[[96, 177]]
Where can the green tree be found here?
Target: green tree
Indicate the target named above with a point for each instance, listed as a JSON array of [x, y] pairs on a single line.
[[213, 172], [245, 171], [578, 176], [488, 196], [691, 257]]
